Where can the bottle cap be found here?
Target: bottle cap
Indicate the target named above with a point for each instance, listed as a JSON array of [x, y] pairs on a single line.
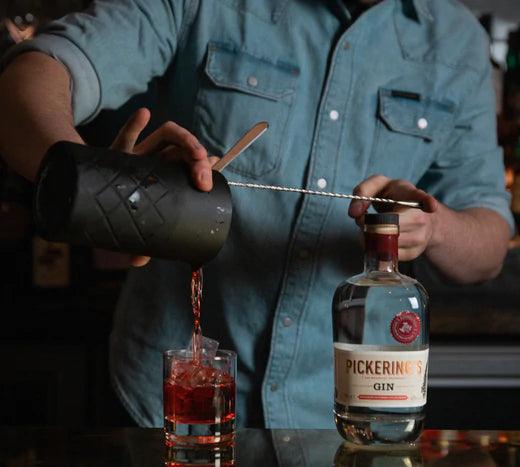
[[385, 218]]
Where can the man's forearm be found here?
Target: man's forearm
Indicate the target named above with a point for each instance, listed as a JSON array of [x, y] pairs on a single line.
[[469, 245], [36, 111]]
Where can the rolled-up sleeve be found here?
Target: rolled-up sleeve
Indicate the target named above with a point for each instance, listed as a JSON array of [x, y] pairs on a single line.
[[468, 172], [113, 49], [85, 87]]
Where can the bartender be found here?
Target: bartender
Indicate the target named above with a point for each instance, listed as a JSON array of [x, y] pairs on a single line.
[[384, 98]]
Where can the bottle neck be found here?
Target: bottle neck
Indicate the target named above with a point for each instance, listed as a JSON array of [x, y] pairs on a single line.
[[381, 252]]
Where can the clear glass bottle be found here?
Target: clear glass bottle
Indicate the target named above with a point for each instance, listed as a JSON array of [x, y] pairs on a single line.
[[380, 327]]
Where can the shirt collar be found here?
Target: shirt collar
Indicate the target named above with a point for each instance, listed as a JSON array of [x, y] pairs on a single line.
[[423, 10]]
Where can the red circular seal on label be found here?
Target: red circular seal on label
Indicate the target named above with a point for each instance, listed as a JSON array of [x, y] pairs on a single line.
[[405, 327]]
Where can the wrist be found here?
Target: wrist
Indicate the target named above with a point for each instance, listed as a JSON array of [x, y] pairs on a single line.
[[437, 226]]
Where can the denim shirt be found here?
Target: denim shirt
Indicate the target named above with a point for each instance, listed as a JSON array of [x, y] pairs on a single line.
[[403, 91]]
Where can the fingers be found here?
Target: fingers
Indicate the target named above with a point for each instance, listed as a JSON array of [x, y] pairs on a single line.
[[187, 145], [139, 261], [415, 225], [129, 133], [383, 187], [415, 233], [171, 134], [372, 186], [200, 169], [406, 191], [14, 32], [428, 203], [174, 153], [409, 254], [411, 246]]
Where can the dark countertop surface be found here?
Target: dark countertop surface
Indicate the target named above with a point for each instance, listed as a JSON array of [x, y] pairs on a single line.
[[139, 447]]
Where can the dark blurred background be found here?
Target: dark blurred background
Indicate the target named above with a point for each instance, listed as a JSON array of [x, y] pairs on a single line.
[[57, 300]]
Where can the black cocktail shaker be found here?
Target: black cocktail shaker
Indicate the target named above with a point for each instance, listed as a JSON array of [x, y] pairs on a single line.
[[143, 205]]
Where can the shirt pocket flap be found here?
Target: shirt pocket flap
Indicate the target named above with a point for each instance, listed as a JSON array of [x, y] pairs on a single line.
[[230, 68], [416, 115]]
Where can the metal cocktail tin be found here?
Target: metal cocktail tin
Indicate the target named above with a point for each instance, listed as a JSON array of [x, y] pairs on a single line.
[[143, 205]]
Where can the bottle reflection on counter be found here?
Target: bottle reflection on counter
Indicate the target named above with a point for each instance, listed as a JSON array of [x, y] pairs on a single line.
[[398, 456]]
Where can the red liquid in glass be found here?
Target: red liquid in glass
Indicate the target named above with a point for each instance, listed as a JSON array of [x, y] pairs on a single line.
[[196, 393], [199, 394]]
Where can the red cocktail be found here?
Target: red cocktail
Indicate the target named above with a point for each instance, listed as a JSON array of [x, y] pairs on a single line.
[[199, 397], [199, 394]]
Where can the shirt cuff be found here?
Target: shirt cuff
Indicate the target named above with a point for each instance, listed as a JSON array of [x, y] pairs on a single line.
[[85, 87]]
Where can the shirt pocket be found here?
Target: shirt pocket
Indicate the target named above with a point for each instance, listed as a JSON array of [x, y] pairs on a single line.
[[409, 129], [236, 91]]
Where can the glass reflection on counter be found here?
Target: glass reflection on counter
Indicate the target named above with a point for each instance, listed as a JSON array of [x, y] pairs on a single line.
[[219, 456]]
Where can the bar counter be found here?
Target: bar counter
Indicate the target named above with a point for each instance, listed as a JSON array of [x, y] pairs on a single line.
[[141, 447]]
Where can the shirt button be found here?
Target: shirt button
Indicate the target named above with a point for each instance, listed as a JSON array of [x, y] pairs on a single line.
[[334, 115], [287, 322], [346, 45], [422, 123], [322, 183], [252, 81], [274, 387]]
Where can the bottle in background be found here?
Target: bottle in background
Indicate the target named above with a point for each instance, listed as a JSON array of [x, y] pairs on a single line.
[[51, 264], [512, 78], [512, 112], [380, 328], [515, 189]]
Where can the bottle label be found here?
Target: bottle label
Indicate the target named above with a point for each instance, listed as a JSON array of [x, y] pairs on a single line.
[[379, 378], [405, 327]]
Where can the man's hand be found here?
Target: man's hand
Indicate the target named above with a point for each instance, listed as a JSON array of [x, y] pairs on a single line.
[[170, 139], [417, 226], [173, 141], [467, 246]]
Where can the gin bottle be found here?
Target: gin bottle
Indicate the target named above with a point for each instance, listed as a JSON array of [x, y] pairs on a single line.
[[380, 328]]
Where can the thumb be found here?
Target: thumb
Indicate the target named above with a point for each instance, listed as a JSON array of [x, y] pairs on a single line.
[[429, 204], [129, 133]]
